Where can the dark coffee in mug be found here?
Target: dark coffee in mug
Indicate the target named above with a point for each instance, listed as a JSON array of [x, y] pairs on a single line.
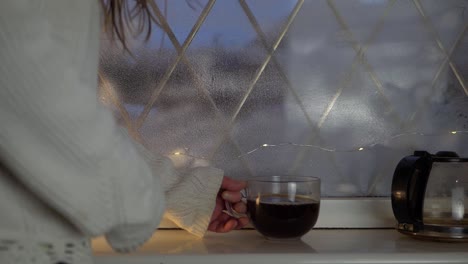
[[277, 216]]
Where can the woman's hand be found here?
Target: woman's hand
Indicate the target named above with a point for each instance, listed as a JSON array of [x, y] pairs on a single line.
[[229, 191]]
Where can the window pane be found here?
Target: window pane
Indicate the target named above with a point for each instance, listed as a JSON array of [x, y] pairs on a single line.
[[351, 87]]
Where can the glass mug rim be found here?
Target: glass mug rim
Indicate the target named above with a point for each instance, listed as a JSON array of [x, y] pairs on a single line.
[[283, 179]]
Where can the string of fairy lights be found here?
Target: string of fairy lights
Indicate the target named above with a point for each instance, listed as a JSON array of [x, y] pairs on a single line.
[[321, 148]]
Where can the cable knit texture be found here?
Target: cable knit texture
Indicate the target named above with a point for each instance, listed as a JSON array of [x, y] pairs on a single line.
[[68, 172], [191, 196]]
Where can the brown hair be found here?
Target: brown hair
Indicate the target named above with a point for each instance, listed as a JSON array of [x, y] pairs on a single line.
[[128, 16]]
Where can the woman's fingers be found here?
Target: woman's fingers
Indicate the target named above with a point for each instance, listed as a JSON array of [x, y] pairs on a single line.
[[240, 207], [232, 185], [227, 226], [222, 223], [213, 226], [244, 221], [231, 196]]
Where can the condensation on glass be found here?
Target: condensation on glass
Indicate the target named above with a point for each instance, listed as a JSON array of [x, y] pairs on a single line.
[[339, 90]]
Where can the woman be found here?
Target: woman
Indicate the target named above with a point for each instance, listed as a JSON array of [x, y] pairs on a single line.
[[68, 173]]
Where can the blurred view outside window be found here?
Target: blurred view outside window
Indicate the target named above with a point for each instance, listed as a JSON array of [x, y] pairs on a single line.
[[340, 90]]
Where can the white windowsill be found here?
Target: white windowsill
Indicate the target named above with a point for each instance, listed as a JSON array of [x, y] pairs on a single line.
[[318, 246], [347, 213], [331, 245]]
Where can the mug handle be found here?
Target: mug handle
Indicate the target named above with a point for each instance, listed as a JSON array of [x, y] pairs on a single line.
[[233, 213]]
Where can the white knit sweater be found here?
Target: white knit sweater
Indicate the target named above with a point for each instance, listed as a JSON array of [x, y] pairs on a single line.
[[67, 173]]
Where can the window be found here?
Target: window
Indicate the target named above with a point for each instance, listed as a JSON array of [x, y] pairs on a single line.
[[341, 90]]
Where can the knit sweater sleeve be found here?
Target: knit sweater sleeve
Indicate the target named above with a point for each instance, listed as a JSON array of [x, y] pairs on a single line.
[[190, 194], [66, 148], [55, 136]]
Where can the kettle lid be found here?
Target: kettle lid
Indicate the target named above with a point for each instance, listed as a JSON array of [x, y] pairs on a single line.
[[447, 154]]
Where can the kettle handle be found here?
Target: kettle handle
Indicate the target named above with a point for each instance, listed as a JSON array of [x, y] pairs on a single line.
[[409, 187]]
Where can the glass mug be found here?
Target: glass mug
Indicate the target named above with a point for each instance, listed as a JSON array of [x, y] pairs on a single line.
[[283, 207]]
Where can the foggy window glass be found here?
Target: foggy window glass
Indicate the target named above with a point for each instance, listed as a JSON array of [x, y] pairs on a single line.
[[340, 90]]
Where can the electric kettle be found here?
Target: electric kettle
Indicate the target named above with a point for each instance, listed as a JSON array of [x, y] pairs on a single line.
[[429, 196]]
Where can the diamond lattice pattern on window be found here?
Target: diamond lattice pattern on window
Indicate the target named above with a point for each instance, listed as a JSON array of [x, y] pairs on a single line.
[[337, 89]]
